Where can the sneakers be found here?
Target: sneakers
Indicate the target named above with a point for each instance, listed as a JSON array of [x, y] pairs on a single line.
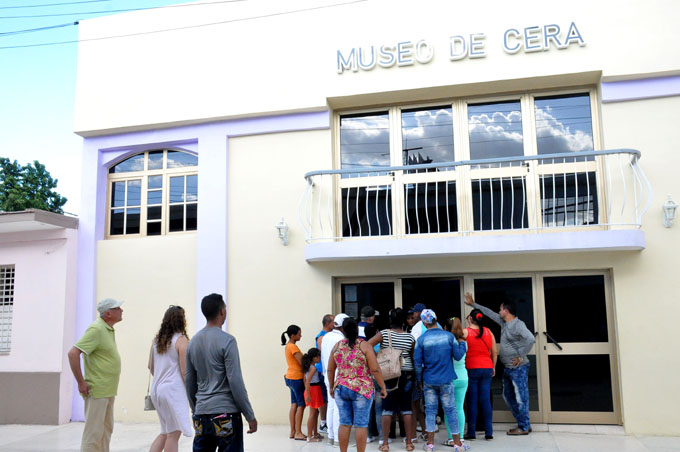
[[429, 447], [370, 439], [323, 428]]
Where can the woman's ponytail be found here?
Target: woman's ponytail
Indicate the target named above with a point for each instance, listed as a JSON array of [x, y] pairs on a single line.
[[290, 331]]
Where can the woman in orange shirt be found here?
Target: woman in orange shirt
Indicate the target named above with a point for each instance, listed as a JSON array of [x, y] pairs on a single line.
[[295, 381]]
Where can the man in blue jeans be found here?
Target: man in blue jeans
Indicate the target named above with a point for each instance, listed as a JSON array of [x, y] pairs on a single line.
[[516, 342], [432, 359], [214, 383]]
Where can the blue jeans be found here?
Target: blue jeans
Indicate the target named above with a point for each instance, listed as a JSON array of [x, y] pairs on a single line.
[[223, 432], [479, 393], [516, 394], [445, 393], [354, 409], [297, 391]]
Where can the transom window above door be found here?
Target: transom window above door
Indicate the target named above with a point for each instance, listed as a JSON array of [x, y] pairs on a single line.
[[153, 193]]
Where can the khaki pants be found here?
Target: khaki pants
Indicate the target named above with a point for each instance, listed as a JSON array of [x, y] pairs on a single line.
[[98, 424]]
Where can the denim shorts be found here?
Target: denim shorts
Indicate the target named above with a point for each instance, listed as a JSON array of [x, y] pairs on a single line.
[[354, 409], [297, 391]]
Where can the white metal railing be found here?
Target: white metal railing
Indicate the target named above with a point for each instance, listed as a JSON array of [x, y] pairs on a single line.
[[593, 189]]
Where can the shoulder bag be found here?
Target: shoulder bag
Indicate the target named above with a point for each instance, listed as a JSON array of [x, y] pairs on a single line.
[[390, 360]]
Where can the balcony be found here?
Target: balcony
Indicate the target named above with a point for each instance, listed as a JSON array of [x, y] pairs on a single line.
[[575, 201]]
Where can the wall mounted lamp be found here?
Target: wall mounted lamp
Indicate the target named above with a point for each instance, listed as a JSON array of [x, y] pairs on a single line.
[[670, 208], [282, 228]]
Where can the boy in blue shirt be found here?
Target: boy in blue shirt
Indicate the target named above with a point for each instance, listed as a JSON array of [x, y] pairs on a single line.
[[432, 357]]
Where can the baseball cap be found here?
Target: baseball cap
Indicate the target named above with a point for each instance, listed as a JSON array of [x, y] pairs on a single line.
[[428, 316], [418, 308], [368, 311], [339, 319], [106, 304]]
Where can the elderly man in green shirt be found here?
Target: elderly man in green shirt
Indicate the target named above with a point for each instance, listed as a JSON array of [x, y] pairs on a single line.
[[102, 372]]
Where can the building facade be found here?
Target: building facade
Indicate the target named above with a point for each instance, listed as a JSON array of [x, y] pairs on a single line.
[[38, 266], [305, 158]]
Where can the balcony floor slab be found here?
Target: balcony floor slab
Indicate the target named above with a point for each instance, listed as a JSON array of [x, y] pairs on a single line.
[[418, 247]]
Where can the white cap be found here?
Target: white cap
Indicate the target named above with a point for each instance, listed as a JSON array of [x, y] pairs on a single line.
[[339, 319], [106, 304]]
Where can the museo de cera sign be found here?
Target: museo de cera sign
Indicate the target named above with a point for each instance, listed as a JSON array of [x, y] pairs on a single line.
[[407, 53]]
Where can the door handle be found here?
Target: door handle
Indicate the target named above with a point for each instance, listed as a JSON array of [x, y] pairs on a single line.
[[553, 340]]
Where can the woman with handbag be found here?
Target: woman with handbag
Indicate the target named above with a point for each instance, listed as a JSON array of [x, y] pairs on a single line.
[[352, 386], [480, 362], [167, 363], [397, 347]]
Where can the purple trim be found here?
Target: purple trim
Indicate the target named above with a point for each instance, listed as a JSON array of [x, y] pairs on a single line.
[[631, 240], [647, 88], [211, 142]]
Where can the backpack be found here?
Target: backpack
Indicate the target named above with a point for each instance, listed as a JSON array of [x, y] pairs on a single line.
[[390, 360]]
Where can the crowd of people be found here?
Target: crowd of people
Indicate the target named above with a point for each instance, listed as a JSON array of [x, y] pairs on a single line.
[[354, 377], [448, 368]]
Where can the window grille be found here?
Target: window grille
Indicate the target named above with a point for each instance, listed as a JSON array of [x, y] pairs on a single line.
[[6, 307]]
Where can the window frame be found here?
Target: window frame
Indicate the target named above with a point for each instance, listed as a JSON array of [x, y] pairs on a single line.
[[166, 174], [464, 176], [7, 324]]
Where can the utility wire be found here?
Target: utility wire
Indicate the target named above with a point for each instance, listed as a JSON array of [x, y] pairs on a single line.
[[33, 30], [53, 4], [43, 44], [120, 10]]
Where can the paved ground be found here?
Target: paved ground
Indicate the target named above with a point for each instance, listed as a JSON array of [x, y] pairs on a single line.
[[138, 437]]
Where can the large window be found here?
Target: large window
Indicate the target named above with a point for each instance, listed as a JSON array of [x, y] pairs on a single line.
[[153, 193], [491, 192], [6, 307]]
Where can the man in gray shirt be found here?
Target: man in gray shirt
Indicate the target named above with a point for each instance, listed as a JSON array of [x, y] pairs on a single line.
[[516, 342], [214, 384]]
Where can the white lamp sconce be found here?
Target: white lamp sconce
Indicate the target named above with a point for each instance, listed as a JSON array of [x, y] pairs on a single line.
[[282, 228], [670, 209]]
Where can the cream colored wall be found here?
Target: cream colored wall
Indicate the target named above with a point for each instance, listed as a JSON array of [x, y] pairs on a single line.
[[647, 284], [149, 275], [287, 62], [270, 286]]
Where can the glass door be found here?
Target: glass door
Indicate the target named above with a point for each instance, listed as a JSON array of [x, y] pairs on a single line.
[[491, 292], [576, 344], [378, 293]]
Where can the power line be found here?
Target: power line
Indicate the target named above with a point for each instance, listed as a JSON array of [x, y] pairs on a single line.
[[43, 44], [120, 10], [53, 4], [32, 30]]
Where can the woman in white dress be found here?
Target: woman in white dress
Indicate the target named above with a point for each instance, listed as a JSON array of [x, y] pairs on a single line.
[[167, 363]]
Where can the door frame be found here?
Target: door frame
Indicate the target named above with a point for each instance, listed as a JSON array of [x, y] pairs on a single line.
[[469, 286], [545, 349]]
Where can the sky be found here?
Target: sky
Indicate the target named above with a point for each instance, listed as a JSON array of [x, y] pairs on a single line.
[[37, 85]]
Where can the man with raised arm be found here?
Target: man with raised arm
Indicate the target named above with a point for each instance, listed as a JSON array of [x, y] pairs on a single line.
[[215, 388], [516, 342]]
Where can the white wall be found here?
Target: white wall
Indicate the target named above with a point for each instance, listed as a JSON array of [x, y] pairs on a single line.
[[43, 281], [288, 62]]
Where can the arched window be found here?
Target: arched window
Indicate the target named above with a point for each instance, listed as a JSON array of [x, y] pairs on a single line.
[[153, 193]]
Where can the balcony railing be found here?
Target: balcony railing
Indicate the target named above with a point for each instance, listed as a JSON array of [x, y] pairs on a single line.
[[582, 190]]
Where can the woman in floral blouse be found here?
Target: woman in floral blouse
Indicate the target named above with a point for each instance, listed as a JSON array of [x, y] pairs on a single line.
[[352, 387]]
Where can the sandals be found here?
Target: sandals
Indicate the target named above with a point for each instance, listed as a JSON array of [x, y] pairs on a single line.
[[410, 446], [384, 447], [462, 448], [313, 439]]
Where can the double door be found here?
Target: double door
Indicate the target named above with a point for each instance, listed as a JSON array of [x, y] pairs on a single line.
[[572, 377]]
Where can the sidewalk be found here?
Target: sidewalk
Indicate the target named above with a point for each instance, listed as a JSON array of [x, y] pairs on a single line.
[[269, 438]]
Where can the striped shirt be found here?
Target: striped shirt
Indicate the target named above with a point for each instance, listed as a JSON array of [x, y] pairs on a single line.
[[400, 341]]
